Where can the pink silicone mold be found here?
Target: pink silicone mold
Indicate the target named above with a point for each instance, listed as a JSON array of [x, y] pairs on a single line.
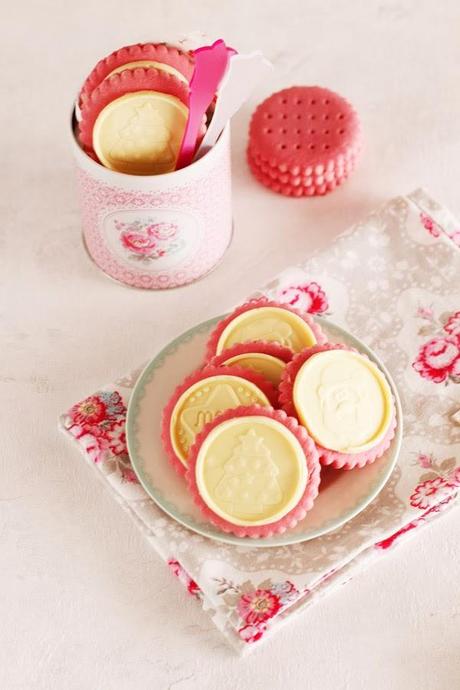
[[157, 52], [304, 127], [297, 513], [256, 347], [346, 461], [304, 183], [211, 346], [265, 386], [303, 141], [351, 461]]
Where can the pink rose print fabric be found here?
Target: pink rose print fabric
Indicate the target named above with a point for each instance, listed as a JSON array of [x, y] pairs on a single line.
[[100, 418], [179, 572], [309, 297], [430, 225], [436, 231], [430, 493], [438, 360], [256, 606], [393, 281], [259, 606], [435, 486], [98, 424], [425, 313], [453, 325]]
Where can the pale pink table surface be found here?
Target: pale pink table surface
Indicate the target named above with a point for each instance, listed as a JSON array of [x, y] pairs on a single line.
[[85, 602]]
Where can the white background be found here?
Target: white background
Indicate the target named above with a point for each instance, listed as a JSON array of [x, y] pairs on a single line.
[[84, 602]]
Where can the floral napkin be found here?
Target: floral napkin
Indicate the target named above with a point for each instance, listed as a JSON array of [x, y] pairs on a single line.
[[393, 280]]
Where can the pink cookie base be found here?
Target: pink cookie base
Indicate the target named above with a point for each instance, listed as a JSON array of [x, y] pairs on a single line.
[[333, 458], [348, 461], [265, 386], [300, 185], [297, 513], [303, 128], [211, 347], [157, 52], [260, 347]]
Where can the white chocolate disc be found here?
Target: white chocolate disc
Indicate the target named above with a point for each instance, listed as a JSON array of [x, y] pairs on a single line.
[[251, 470], [343, 400]]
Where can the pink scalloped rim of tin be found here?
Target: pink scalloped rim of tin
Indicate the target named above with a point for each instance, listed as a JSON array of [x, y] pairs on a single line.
[[297, 513], [156, 52], [333, 458], [258, 347], [258, 380], [211, 346]]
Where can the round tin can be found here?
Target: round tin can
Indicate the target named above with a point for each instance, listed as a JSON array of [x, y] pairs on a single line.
[[157, 231]]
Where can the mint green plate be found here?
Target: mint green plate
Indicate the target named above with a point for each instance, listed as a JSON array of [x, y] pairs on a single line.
[[343, 494]]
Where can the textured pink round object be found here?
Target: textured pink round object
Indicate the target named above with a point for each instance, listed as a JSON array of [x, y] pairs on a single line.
[[211, 347], [308, 176], [296, 186], [304, 130], [256, 347], [156, 52], [200, 375], [305, 503], [346, 461], [128, 81]]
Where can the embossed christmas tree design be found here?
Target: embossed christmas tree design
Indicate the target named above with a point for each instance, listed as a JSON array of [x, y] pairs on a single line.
[[145, 136], [249, 483]]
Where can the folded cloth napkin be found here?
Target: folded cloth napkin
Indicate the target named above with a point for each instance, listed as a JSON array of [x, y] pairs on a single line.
[[393, 280]]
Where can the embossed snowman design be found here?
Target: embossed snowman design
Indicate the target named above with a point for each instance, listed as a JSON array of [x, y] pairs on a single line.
[[249, 482], [342, 402]]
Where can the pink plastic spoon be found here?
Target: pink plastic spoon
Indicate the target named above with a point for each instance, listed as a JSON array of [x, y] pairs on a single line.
[[210, 66]]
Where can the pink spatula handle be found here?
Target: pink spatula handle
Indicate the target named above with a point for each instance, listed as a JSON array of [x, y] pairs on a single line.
[[210, 66]]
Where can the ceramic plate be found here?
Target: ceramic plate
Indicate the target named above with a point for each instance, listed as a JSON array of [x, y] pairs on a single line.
[[343, 494]]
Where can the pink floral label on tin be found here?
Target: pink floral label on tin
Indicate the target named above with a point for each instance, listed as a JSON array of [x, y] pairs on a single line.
[[157, 239]]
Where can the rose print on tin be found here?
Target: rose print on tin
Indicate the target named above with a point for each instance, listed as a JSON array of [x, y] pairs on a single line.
[[147, 241], [156, 240]]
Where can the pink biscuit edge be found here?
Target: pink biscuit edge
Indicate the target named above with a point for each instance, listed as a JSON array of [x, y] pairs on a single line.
[[328, 457], [348, 461], [211, 346], [198, 375], [273, 103], [287, 189], [297, 191], [262, 347], [299, 511], [180, 60]]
